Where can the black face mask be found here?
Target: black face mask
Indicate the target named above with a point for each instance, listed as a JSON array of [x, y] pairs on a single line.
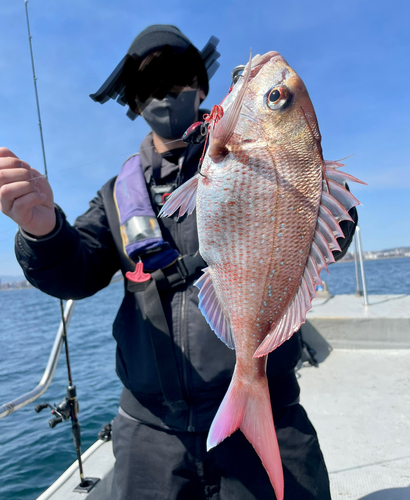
[[170, 117]]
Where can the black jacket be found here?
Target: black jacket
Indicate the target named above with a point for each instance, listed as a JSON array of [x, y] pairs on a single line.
[[76, 262]]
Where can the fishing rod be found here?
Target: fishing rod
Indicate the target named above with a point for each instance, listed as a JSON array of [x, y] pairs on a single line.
[[69, 407], [35, 90]]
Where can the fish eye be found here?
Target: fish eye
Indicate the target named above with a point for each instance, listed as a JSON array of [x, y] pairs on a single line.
[[274, 96], [277, 97]]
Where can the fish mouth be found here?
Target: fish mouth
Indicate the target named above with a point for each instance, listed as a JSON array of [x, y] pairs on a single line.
[[259, 61]]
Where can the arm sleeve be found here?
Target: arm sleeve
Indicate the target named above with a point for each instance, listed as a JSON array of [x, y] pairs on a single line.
[[73, 262], [348, 229]]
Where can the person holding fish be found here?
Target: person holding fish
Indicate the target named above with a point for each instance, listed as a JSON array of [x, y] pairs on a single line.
[[254, 233]]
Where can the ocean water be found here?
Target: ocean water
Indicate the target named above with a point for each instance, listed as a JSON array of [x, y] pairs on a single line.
[[32, 455], [388, 276]]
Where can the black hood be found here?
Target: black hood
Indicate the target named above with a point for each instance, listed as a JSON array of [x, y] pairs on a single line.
[[178, 64]]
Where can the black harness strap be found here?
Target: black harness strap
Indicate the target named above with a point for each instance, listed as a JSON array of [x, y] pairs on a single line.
[[156, 162], [179, 272], [163, 350], [173, 276], [185, 268]]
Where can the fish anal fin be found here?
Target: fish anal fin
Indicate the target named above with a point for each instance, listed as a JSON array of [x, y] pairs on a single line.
[[211, 308], [291, 321]]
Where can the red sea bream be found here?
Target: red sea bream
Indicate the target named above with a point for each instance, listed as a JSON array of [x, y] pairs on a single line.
[[268, 207]]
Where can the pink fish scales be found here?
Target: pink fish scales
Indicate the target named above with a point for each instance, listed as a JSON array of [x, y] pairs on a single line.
[[268, 208]]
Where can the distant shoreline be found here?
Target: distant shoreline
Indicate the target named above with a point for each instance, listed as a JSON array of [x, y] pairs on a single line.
[[10, 286], [378, 258]]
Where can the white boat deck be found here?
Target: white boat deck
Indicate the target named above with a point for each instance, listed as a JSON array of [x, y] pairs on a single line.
[[345, 322], [359, 403], [358, 400], [98, 462], [359, 397]]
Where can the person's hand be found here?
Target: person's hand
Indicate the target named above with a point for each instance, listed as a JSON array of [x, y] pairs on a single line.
[[25, 195]]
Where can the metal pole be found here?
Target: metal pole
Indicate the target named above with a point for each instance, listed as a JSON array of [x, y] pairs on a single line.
[[359, 242], [16, 404], [359, 292], [35, 90]]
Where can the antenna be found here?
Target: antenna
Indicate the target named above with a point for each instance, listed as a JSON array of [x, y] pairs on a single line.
[[35, 90]]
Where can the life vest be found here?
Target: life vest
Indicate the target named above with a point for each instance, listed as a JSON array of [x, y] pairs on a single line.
[[140, 231], [143, 243]]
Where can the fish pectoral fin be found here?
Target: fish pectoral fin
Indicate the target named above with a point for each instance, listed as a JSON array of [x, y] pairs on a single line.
[[183, 198], [211, 308], [247, 407], [225, 127]]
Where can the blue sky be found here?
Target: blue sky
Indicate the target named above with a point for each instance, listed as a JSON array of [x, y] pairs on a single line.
[[353, 57]]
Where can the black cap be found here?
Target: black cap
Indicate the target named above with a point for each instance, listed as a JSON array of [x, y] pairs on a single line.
[[178, 63]]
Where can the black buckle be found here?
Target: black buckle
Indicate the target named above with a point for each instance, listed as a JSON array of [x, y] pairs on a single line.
[[179, 272]]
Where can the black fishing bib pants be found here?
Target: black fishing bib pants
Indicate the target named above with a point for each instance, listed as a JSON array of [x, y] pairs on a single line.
[[153, 464]]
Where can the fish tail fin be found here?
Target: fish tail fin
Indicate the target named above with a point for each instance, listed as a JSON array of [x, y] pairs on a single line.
[[247, 407]]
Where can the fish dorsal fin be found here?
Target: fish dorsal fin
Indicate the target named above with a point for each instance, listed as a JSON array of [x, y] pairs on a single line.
[[332, 172], [333, 208], [183, 198], [212, 310], [225, 127]]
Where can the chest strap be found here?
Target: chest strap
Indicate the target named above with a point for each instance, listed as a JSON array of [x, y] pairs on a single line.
[[179, 272], [164, 280]]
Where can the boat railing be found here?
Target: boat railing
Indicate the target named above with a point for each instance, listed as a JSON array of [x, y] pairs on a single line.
[[49, 371], [361, 290], [42, 386]]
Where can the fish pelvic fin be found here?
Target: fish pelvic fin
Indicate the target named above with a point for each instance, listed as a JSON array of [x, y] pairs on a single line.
[[212, 310], [247, 407], [183, 198], [223, 130]]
